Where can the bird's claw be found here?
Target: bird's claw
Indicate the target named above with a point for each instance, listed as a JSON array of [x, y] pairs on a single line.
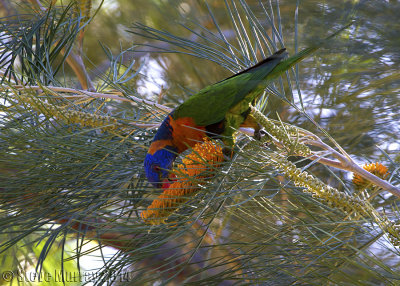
[[227, 153], [260, 134]]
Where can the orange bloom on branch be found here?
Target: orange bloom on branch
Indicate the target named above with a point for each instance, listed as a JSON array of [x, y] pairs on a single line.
[[196, 169], [376, 169]]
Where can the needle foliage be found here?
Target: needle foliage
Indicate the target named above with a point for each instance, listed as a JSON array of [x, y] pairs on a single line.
[[276, 213]]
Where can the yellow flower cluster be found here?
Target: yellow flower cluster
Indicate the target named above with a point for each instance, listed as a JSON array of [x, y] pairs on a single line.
[[376, 169], [282, 134], [197, 168], [319, 189], [72, 116], [331, 196], [334, 198]]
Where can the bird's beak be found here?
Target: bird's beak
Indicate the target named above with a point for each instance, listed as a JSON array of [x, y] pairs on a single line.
[[168, 181], [165, 184]]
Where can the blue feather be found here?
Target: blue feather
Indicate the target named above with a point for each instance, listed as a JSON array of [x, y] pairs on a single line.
[[165, 130]]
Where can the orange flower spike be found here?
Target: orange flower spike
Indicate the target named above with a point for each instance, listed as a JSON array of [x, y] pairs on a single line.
[[203, 159], [376, 169]]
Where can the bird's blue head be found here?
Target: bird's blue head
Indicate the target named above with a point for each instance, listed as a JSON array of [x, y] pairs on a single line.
[[158, 165]]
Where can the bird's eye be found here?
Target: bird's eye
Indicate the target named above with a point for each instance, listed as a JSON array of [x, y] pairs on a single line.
[[156, 168]]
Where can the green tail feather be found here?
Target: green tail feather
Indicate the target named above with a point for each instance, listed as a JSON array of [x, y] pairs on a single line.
[[293, 60]]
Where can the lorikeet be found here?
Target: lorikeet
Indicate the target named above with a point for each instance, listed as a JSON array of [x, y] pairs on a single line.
[[217, 110]]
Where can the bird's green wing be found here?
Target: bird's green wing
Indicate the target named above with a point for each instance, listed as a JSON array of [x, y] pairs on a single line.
[[210, 104]]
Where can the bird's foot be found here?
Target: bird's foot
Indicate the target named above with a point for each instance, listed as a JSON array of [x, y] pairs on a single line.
[[260, 134], [227, 153]]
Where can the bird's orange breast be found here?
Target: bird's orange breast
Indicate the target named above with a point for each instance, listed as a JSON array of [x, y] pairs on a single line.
[[185, 133]]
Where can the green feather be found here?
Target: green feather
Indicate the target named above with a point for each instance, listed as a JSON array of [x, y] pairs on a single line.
[[293, 60], [210, 104]]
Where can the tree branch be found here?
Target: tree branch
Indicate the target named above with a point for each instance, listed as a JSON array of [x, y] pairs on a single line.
[[350, 165], [76, 93]]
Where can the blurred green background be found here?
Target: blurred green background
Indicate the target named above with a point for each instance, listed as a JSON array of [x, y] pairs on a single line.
[[350, 88]]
